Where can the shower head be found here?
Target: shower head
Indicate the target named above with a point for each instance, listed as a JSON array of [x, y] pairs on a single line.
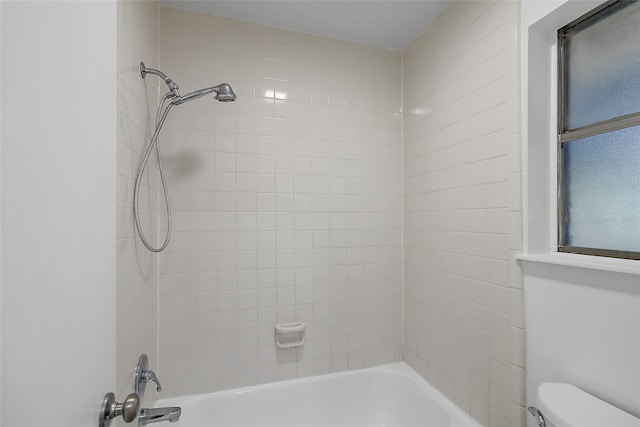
[[225, 93], [222, 93]]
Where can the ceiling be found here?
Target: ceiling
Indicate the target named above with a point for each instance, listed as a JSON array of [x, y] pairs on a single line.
[[387, 24]]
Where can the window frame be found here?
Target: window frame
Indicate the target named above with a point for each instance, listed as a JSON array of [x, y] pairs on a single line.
[[566, 136]]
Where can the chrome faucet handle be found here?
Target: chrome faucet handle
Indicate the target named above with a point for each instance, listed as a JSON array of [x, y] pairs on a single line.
[[143, 375], [148, 376]]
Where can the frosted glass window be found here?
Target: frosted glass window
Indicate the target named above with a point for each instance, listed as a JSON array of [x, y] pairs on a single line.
[[602, 59], [601, 180], [599, 132]]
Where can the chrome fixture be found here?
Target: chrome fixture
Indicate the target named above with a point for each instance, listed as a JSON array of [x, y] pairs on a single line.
[[151, 415], [111, 409], [222, 92], [155, 415], [143, 375], [538, 415]]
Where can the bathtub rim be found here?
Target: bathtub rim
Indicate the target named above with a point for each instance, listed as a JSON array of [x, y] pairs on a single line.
[[402, 369]]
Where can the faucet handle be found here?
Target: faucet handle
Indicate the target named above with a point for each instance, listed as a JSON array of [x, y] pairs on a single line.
[[143, 375], [148, 376]]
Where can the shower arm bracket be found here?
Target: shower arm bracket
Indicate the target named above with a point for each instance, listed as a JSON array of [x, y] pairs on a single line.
[[173, 86]]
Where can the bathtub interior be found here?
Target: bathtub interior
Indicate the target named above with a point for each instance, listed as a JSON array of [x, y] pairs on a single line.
[[391, 395]]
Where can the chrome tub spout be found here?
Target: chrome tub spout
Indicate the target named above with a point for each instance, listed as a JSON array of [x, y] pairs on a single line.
[[155, 415]]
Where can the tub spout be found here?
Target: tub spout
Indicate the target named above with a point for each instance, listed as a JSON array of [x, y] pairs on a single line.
[[155, 415]]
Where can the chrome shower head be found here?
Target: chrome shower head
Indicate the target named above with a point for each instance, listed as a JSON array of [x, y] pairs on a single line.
[[225, 93], [222, 92]]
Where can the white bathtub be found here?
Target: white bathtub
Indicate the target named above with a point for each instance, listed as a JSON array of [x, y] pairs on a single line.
[[390, 395]]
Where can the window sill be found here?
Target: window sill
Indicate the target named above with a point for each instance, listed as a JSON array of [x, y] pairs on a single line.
[[620, 275], [585, 263]]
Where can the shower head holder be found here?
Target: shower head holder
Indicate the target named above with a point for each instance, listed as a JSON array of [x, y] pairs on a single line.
[[173, 87]]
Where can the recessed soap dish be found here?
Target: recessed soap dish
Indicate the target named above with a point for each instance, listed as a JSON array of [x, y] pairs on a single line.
[[290, 335]]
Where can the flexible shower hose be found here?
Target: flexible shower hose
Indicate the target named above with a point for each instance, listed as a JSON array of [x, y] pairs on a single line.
[[153, 143]]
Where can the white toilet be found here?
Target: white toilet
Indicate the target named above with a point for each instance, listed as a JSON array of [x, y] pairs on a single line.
[[564, 405]]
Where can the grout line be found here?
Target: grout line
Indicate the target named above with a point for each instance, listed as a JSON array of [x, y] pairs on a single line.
[[402, 195]]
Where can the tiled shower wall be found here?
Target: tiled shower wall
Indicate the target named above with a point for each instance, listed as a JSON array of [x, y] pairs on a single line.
[[137, 277], [287, 205], [463, 291]]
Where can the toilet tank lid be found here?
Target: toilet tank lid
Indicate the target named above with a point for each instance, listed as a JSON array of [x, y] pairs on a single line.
[[567, 406]]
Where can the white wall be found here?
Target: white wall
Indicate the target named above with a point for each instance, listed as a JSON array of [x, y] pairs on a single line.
[[583, 328], [582, 313], [462, 210], [287, 205], [58, 222]]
